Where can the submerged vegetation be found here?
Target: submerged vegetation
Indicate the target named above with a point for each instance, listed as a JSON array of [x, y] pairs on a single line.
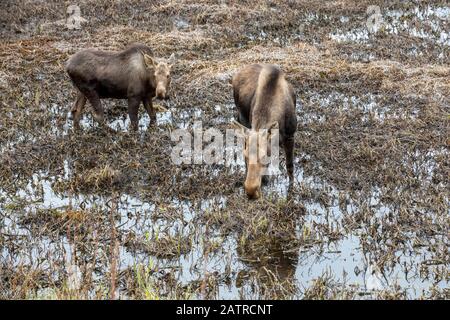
[[106, 214]]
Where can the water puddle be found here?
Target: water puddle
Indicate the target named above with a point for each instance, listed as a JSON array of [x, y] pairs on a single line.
[[236, 271], [423, 23]]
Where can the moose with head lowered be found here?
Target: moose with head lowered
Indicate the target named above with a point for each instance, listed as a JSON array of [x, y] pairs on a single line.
[[265, 103]]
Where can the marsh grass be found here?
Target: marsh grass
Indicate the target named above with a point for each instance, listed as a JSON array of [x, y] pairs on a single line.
[[104, 214]]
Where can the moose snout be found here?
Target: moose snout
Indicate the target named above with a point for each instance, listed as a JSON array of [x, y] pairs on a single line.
[[161, 92], [253, 190]]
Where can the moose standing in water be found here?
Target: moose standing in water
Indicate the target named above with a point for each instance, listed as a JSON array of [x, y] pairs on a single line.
[[129, 74], [265, 102]]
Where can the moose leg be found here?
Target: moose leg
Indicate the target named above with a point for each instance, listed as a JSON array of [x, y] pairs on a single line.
[[289, 150], [148, 104], [94, 99], [77, 110], [133, 110], [243, 120]]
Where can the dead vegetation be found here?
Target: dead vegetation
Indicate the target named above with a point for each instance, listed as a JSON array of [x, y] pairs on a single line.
[[103, 214]]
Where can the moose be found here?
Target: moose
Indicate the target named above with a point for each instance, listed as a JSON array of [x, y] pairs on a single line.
[[265, 102], [131, 74]]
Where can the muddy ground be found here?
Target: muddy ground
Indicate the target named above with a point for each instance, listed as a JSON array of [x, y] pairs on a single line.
[[101, 214]]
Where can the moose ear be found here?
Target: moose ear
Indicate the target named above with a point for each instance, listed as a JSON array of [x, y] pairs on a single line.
[[273, 129], [172, 59], [273, 126], [241, 129], [149, 61]]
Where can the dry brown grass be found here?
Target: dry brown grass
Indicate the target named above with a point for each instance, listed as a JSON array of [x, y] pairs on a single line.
[[371, 157]]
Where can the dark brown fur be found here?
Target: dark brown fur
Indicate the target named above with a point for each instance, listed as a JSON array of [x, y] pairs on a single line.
[[263, 98], [129, 74]]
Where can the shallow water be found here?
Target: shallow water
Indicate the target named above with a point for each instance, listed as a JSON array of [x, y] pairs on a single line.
[[432, 25], [350, 237], [342, 259]]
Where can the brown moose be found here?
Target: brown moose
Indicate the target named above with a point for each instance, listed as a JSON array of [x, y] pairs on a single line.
[[129, 74], [264, 100]]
